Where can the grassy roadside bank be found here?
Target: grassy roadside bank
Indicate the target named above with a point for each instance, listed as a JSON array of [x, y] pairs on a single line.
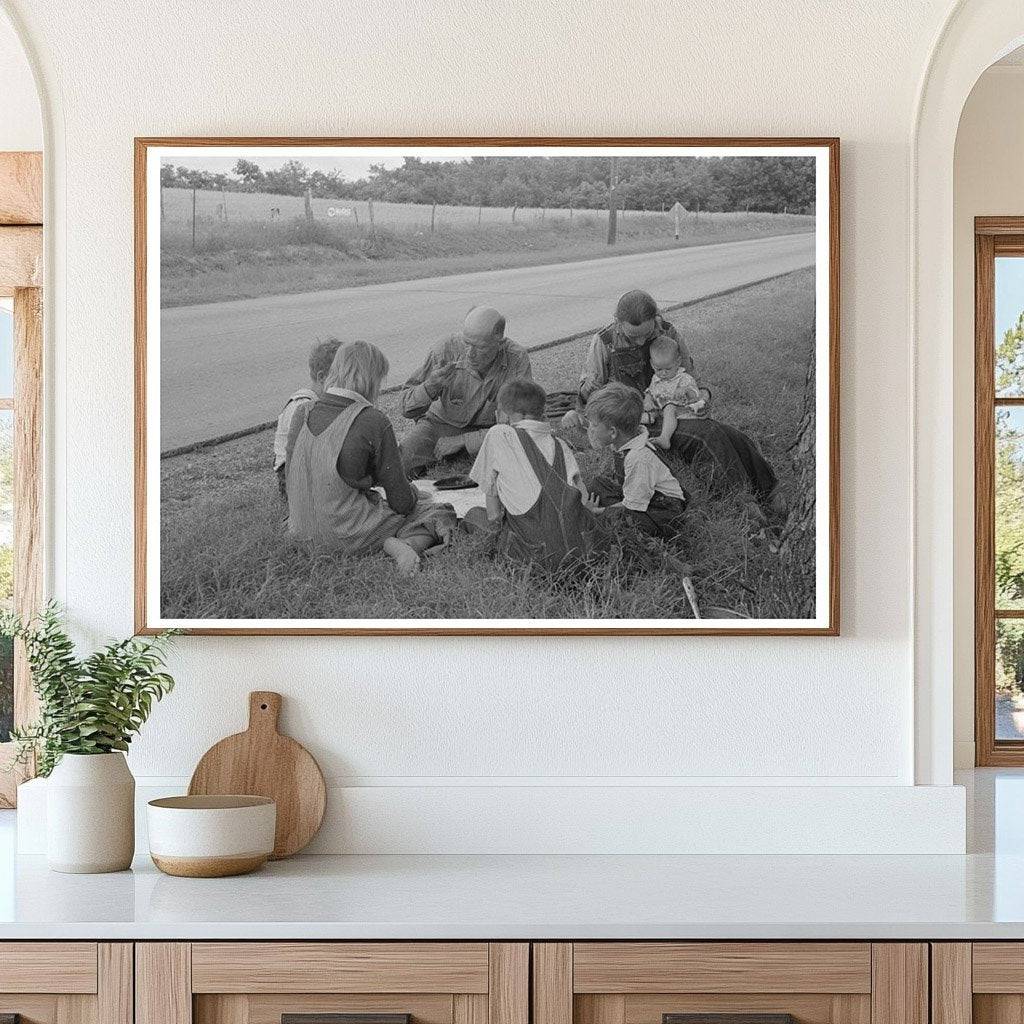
[[251, 258]]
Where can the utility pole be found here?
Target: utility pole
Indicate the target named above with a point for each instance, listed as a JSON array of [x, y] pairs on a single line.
[[613, 199]]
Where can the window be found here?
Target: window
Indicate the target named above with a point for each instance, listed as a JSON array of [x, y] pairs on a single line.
[[999, 490], [6, 510], [21, 375]]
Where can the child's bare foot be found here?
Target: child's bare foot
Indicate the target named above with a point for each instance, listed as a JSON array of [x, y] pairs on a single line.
[[663, 444], [407, 562]]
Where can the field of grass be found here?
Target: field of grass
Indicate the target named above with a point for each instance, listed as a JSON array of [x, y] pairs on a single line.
[[225, 554], [245, 253]]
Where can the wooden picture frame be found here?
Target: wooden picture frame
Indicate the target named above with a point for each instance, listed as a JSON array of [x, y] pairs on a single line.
[[147, 617]]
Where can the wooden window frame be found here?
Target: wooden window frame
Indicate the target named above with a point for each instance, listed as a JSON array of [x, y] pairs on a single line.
[[21, 270], [993, 237]]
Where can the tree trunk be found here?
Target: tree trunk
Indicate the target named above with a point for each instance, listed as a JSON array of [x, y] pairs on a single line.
[[797, 541]]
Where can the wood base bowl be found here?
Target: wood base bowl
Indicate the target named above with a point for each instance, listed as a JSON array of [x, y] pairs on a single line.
[[211, 836]]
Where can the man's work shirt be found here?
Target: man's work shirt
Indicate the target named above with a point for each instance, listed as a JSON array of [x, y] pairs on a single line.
[[613, 356], [468, 399]]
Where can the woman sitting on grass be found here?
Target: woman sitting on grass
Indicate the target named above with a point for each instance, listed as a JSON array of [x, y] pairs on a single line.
[[339, 448], [621, 352]]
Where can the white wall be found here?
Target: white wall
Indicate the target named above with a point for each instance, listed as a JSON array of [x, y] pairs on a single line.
[[443, 713], [21, 125], [988, 181]]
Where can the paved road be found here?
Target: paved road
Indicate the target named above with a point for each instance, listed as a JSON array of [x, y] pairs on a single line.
[[226, 366]]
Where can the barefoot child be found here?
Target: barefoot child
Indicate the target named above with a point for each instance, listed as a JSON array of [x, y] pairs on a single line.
[[321, 355], [643, 488], [339, 449], [532, 482], [672, 392]]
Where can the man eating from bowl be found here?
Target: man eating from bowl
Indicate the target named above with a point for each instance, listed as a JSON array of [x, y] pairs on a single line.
[[452, 395]]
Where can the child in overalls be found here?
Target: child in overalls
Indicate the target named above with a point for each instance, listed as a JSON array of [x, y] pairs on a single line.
[[532, 484], [642, 488], [321, 355]]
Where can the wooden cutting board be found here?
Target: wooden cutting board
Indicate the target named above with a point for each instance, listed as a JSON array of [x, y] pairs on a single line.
[[262, 762]]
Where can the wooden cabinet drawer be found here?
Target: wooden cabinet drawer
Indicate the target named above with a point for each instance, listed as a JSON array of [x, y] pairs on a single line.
[[66, 982], [48, 967], [813, 982], [340, 967], [630, 967], [259, 982], [981, 982]]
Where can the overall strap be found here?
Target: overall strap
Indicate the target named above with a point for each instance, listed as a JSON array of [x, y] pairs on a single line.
[[541, 467]]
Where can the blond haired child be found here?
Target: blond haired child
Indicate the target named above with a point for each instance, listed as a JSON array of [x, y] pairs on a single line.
[[321, 355], [341, 448], [673, 393]]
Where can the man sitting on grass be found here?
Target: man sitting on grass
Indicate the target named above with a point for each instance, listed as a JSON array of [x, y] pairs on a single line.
[[452, 395]]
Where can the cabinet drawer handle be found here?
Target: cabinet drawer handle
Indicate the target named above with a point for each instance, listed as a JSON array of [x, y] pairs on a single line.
[[728, 1018], [339, 1018]]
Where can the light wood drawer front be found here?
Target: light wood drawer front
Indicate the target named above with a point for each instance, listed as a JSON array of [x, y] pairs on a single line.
[[756, 967], [311, 967], [53, 967], [268, 1009], [998, 967]]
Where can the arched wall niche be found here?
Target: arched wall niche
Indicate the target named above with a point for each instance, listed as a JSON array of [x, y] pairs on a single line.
[[975, 35]]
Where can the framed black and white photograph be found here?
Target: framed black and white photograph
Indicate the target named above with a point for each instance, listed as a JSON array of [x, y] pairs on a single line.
[[487, 386]]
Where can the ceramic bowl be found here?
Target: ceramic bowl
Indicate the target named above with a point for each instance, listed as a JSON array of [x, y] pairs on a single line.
[[211, 836]]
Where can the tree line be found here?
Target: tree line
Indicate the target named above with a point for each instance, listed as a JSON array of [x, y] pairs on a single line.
[[770, 184]]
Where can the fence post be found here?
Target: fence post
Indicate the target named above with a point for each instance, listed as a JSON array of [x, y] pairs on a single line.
[[193, 219], [480, 214], [613, 200], [373, 227], [433, 214], [514, 208], [224, 203]]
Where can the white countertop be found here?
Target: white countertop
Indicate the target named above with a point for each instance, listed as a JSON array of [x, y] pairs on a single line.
[[978, 896], [532, 897]]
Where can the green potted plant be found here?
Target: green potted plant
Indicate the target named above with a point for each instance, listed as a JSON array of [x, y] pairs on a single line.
[[89, 710]]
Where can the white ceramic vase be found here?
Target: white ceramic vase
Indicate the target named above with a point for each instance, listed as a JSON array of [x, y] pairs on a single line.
[[90, 814]]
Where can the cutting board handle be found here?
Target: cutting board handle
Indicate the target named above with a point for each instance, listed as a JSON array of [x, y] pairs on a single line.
[[264, 710]]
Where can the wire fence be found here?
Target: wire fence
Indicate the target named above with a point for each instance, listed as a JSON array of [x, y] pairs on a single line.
[[194, 208]]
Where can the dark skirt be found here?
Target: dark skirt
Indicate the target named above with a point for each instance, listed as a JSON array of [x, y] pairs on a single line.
[[723, 456]]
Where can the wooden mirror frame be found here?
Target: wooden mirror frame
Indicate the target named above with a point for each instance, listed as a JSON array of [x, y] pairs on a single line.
[[21, 274]]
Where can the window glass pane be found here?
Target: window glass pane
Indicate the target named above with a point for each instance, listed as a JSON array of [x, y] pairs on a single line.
[[1009, 679], [1009, 321], [6, 349], [6, 567], [1009, 483]]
